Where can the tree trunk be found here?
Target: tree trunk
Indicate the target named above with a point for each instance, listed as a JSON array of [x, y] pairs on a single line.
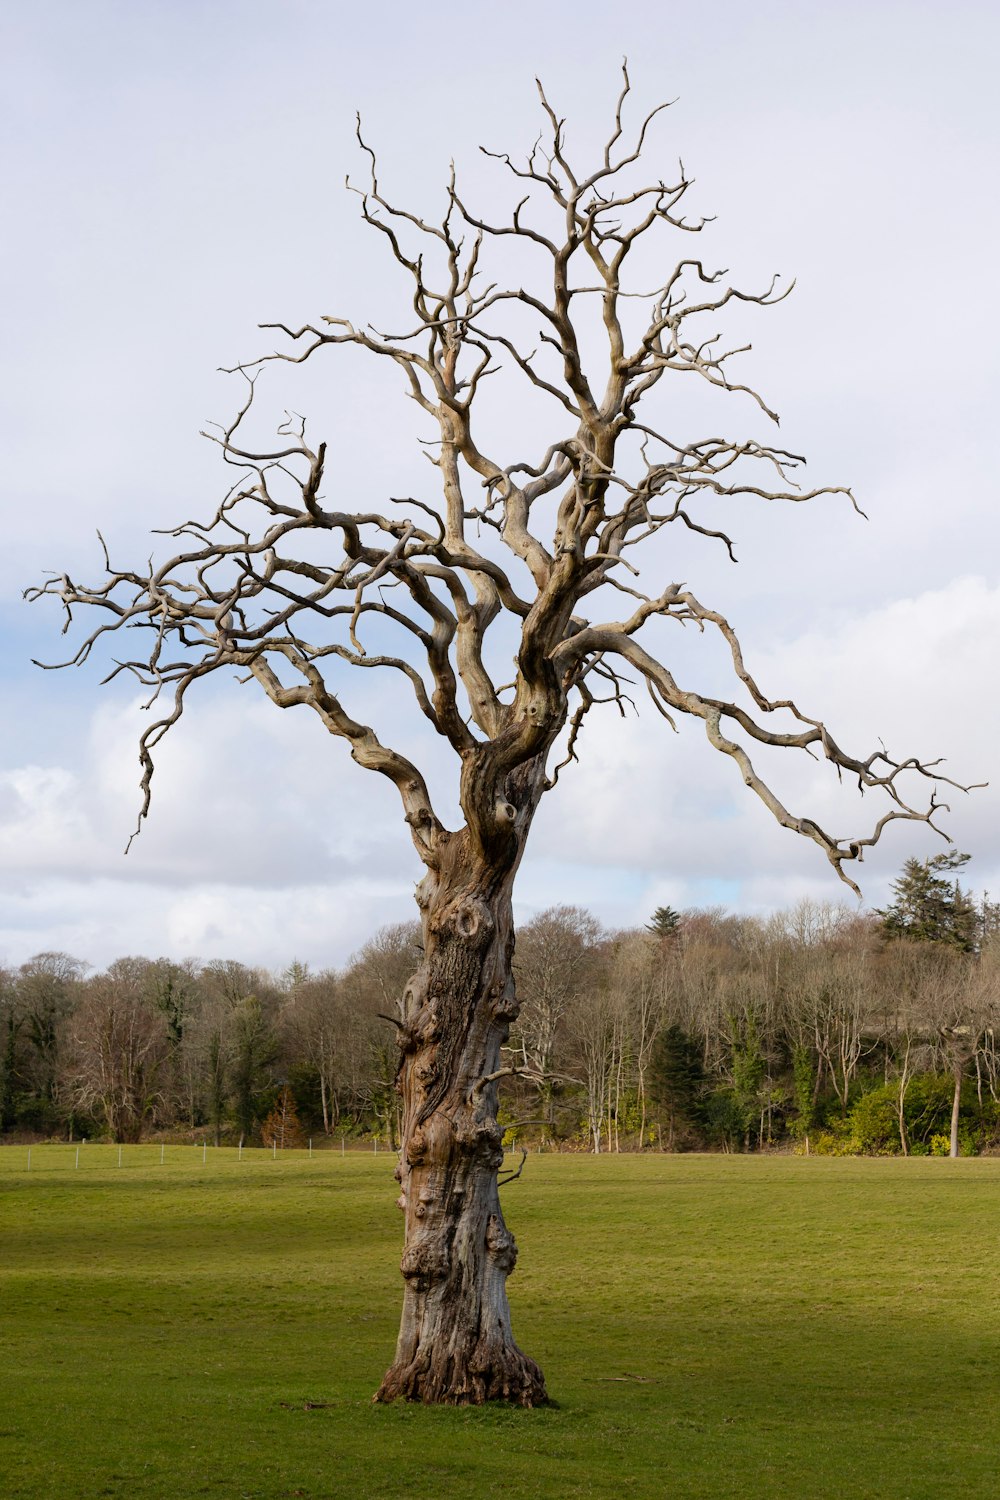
[[956, 1105], [455, 1343], [904, 1080]]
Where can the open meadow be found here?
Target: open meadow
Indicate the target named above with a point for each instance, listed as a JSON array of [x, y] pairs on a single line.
[[709, 1326]]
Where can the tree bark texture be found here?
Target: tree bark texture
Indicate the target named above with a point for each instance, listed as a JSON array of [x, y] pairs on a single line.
[[455, 1341]]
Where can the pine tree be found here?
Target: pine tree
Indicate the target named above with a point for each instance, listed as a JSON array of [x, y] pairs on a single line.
[[677, 1081], [930, 908]]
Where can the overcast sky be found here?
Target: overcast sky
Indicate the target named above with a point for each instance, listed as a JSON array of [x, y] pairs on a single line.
[[173, 175]]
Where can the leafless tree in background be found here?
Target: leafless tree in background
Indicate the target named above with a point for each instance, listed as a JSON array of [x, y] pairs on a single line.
[[641, 970], [554, 966], [46, 987], [119, 1050], [295, 586], [984, 1000], [313, 1020]]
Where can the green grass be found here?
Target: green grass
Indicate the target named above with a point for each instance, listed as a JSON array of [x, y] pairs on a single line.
[[709, 1326]]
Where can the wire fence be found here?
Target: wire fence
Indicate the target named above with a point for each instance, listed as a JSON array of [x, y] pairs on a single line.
[[86, 1155]]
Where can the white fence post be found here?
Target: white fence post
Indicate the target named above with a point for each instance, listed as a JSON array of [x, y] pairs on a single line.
[[204, 1152], [78, 1156], [119, 1156]]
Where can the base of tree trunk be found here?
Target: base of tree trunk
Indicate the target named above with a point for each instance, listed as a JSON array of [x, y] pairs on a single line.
[[451, 1381]]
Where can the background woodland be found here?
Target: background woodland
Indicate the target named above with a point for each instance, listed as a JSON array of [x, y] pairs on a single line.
[[817, 1028]]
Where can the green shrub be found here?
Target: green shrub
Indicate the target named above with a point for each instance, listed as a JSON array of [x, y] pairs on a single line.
[[725, 1119], [835, 1140], [928, 1105], [874, 1118], [874, 1121]]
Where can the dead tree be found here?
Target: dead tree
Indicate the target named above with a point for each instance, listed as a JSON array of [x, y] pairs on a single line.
[[298, 589]]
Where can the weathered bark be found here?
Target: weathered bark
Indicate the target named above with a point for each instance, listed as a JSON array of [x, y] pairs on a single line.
[[455, 1341]]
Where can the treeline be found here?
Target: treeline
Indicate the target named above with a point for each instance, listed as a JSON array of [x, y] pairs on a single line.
[[817, 1027]]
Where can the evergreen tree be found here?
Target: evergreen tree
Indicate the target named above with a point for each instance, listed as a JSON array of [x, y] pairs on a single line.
[[677, 1081], [253, 1049], [930, 908], [665, 922]]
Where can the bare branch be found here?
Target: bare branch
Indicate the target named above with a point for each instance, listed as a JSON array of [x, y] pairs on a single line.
[[423, 596]]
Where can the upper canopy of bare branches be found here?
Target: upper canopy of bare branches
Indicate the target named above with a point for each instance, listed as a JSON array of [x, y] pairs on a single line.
[[415, 585]]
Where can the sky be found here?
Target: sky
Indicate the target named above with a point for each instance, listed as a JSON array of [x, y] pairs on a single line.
[[173, 175]]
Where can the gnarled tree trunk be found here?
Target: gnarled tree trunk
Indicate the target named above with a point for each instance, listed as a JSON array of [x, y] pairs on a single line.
[[455, 1341]]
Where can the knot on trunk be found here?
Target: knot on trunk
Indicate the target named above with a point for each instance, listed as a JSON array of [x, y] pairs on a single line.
[[427, 1075], [426, 1197], [416, 1148], [483, 1140], [507, 1006], [472, 917], [424, 1264], [501, 1244]]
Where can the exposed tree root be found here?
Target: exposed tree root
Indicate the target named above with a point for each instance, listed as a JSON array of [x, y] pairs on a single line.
[[511, 1377]]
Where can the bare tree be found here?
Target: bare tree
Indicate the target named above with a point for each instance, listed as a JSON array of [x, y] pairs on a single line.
[[11, 1022], [119, 1048], [315, 1022], [46, 985], [300, 592], [841, 1009], [594, 1036], [641, 970], [375, 985], [910, 981], [553, 966], [984, 1001]]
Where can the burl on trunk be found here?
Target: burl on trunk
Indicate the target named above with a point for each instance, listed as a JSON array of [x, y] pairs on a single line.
[[455, 1341]]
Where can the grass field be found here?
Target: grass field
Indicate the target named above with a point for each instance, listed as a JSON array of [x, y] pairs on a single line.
[[709, 1326]]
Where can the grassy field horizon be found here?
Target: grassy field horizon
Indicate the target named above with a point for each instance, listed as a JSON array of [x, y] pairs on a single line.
[[708, 1326]]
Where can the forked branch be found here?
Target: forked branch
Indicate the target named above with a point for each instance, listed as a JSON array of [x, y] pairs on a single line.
[[295, 587]]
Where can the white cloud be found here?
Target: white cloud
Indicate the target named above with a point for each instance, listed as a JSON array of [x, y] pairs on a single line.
[[918, 673], [102, 919], [265, 841]]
